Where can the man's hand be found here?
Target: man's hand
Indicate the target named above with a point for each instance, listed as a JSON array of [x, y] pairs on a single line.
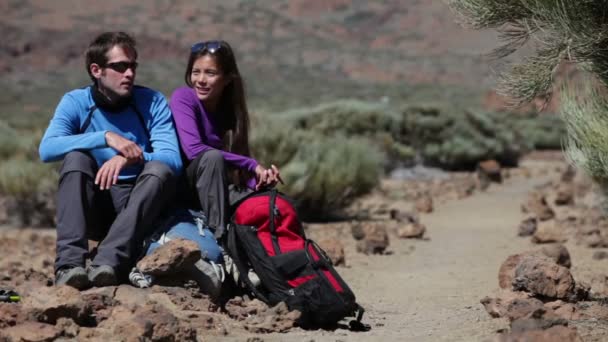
[[125, 147], [267, 178], [109, 171]]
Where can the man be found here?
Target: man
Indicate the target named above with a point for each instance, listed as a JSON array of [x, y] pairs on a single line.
[[120, 161]]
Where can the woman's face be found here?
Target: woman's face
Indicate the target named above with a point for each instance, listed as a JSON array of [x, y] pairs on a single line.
[[208, 81]]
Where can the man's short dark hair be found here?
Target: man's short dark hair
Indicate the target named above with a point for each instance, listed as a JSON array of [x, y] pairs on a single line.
[[99, 47]]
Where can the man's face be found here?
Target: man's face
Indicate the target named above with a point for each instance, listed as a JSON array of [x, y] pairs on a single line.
[[118, 75]]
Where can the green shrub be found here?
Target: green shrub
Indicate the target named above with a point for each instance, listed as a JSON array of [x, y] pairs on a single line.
[[15, 143], [348, 117], [275, 141], [584, 112], [327, 173], [542, 132], [22, 178], [459, 139]]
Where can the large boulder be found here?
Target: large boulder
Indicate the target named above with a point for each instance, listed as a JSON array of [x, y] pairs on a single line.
[[170, 258], [556, 253], [48, 304], [147, 322], [543, 277], [31, 331]]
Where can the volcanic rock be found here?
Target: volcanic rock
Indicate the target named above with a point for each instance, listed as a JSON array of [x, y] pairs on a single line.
[[564, 194], [543, 277], [30, 331], [172, 257], [536, 204], [334, 250], [556, 253], [259, 318], [10, 315], [512, 305], [404, 216], [527, 227], [600, 255], [48, 304], [411, 231], [548, 231], [148, 322], [488, 171], [557, 333], [375, 238], [424, 204]]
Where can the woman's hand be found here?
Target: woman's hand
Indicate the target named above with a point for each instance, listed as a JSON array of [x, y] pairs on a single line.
[[267, 178]]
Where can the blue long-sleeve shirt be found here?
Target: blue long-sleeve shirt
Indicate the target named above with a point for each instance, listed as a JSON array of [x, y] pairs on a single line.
[[63, 134]]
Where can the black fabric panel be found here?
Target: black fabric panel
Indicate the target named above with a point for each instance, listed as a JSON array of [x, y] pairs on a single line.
[[241, 260], [291, 264], [271, 278]]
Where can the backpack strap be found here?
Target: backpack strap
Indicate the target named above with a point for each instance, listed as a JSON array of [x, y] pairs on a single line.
[[233, 248], [356, 324], [274, 212], [87, 121]]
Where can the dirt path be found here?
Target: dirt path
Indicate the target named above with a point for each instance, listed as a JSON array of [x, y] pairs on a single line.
[[430, 290]]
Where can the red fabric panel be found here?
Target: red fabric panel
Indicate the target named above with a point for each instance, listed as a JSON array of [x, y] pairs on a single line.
[[328, 275], [295, 282], [256, 212]]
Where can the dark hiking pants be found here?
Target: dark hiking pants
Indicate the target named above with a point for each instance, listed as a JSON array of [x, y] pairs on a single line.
[[207, 175], [120, 217]]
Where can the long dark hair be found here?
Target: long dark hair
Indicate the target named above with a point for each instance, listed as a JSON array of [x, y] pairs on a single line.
[[232, 104]]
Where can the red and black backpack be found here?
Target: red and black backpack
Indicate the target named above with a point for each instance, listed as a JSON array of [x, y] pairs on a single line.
[[266, 235]]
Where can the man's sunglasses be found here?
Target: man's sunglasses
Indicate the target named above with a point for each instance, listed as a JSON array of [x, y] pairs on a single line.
[[122, 66], [212, 46]]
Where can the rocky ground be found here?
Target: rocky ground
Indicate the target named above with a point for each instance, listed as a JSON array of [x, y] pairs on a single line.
[[455, 257]]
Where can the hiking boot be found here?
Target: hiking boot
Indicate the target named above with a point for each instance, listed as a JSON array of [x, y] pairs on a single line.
[[231, 269], [140, 279], [208, 276], [75, 277], [103, 275]]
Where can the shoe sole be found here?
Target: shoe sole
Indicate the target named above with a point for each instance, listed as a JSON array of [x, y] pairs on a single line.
[[104, 278], [206, 278], [79, 281]]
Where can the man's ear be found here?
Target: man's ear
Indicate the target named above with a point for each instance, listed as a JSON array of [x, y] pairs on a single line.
[[95, 70]]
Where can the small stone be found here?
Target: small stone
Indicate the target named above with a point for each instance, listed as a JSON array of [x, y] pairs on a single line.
[[547, 232], [600, 255], [411, 231], [424, 204], [527, 227], [334, 250]]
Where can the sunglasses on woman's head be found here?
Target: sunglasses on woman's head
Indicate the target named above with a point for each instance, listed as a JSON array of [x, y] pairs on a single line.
[[212, 46], [122, 66]]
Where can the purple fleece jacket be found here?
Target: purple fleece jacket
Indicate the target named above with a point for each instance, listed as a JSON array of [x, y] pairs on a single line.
[[199, 131]]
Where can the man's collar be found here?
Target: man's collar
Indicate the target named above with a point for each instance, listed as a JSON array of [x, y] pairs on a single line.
[[102, 101]]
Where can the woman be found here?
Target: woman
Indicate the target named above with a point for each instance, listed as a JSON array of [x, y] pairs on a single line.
[[212, 124]]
